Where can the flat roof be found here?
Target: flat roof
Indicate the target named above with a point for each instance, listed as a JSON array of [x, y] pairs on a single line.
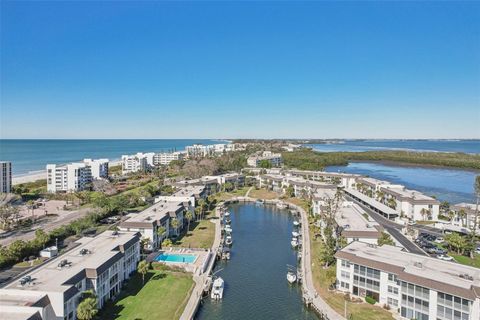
[[407, 194], [189, 191], [323, 193], [103, 248], [155, 212], [426, 271], [372, 202], [350, 218], [467, 207], [323, 173], [302, 181]]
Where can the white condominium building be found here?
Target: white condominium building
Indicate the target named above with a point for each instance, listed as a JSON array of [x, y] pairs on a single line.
[[166, 157], [199, 150], [54, 290], [275, 159], [465, 215], [134, 163], [68, 178], [5, 177], [159, 215], [414, 286], [409, 203], [98, 167]]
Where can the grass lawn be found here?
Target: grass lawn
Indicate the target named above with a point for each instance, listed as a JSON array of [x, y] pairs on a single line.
[[299, 202], [322, 278], [222, 196], [201, 235], [263, 194], [475, 262], [164, 296]]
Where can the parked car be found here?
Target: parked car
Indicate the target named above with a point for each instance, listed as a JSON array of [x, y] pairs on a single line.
[[444, 257], [439, 240], [477, 250]]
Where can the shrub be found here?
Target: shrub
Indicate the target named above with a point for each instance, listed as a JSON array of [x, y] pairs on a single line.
[[370, 300]]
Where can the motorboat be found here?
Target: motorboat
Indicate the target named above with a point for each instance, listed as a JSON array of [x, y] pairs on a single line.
[[295, 234], [227, 214], [217, 289], [281, 205], [291, 276], [229, 241], [228, 229], [296, 223], [228, 220], [226, 253], [294, 242]]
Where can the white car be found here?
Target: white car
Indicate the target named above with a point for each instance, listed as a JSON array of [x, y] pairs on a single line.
[[477, 250], [439, 240], [444, 257]]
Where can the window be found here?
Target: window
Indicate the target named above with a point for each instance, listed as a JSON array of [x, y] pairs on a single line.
[[392, 277], [345, 274], [392, 302], [345, 264], [393, 290]]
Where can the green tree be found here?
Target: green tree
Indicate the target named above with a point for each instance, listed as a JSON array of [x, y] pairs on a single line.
[[290, 191], [143, 267], [385, 238], [456, 242], [174, 223], [342, 242], [264, 164], [189, 217], [41, 237], [167, 243], [476, 187], [87, 309]]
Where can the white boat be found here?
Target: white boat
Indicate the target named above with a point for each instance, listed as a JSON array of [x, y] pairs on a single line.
[[296, 223], [227, 214], [291, 277], [217, 289], [228, 229], [229, 241], [294, 242], [295, 234], [281, 205]]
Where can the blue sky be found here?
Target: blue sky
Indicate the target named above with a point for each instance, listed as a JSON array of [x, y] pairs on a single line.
[[240, 69]]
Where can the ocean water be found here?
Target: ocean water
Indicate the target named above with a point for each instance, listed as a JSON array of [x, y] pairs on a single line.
[[465, 146], [450, 185], [256, 286], [32, 155]]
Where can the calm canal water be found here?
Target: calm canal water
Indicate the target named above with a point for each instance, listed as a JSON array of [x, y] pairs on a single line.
[[449, 185], [255, 278]]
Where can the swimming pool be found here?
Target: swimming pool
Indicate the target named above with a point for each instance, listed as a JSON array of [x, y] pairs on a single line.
[[176, 257]]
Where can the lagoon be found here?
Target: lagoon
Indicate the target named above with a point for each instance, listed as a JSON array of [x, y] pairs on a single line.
[[255, 278], [445, 184]]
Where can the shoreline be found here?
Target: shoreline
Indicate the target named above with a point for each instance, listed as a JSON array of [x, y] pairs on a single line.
[[407, 165], [42, 174]]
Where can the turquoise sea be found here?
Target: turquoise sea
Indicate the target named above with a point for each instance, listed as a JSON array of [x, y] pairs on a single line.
[[32, 155]]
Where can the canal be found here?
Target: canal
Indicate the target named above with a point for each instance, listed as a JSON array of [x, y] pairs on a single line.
[[255, 277]]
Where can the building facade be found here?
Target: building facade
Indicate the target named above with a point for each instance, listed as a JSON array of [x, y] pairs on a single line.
[[5, 177], [134, 163], [165, 158], [73, 177], [98, 168], [413, 286], [54, 290], [275, 159]]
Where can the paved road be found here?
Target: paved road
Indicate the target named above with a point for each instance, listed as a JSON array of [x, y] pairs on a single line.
[[45, 226], [393, 228]]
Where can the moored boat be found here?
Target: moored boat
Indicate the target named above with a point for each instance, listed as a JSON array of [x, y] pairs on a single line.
[[217, 289], [291, 277]]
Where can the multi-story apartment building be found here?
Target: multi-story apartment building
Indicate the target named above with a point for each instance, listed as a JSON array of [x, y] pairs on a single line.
[[275, 159], [320, 198], [5, 177], [98, 168], [165, 158], [414, 286], [305, 188], [355, 225], [68, 178], [135, 163], [411, 204], [200, 151], [465, 214], [345, 180], [148, 222], [210, 183], [54, 290]]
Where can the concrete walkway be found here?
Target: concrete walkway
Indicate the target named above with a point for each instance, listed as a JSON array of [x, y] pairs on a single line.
[[200, 277]]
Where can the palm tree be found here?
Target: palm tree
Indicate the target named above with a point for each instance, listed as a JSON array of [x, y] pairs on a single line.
[[87, 309], [174, 223], [476, 187], [143, 267], [462, 215], [424, 212], [31, 205], [189, 217]]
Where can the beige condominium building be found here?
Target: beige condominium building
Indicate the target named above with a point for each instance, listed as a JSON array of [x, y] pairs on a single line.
[[5, 177]]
